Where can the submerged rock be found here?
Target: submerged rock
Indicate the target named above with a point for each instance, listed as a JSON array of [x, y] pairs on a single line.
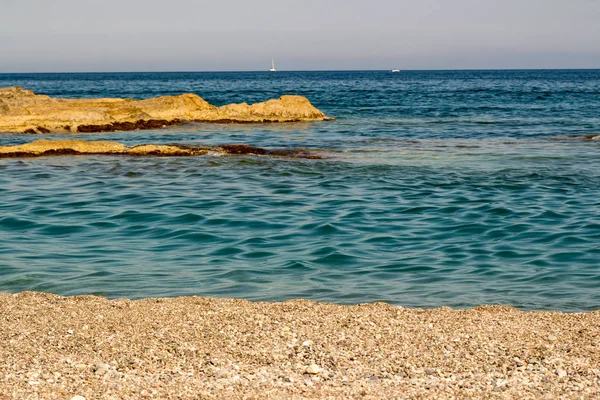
[[46, 147], [23, 111], [590, 137], [242, 149]]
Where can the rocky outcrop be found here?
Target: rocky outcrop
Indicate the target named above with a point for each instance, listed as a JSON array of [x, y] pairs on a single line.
[[26, 112], [46, 147]]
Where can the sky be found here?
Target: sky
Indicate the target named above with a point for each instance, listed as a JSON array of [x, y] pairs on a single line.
[[243, 35]]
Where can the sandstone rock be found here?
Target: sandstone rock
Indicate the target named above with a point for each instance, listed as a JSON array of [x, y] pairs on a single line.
[[75, 146], [24, 111], [46, 147]]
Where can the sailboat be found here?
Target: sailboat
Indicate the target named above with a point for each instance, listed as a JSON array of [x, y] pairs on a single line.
[[272, 65]]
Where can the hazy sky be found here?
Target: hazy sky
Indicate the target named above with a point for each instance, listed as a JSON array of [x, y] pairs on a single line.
[[233, 35]]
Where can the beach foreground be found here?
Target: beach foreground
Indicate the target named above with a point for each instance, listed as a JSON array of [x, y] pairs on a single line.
[[55, 347]]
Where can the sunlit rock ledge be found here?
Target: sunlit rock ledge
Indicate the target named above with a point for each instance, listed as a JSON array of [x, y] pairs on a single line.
[[23, 111], [44, 147]]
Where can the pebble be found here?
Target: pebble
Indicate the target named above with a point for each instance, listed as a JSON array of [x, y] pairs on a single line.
[[101, 369], [307, 343], [78, 397], [518, 361], [561, 373], [552, 338], [312, 369]]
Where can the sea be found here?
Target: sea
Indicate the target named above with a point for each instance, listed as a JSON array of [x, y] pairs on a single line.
[[435, 188]]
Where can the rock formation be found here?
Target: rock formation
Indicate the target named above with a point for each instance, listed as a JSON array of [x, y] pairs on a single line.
[[23, 111], [46, 147]]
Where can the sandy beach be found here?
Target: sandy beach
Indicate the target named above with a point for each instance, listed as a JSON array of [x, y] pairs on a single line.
[[55, 347]]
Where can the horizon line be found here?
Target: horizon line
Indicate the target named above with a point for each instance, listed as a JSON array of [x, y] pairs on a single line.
[[299, 70]]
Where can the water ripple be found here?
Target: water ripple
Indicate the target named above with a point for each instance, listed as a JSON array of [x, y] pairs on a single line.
[[275, 235], [436, 188]]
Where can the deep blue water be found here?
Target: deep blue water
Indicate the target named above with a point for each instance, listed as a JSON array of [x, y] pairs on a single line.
[[454, 188]]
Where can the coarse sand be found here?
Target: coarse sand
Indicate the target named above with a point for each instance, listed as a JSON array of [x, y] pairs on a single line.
[[54, 347]]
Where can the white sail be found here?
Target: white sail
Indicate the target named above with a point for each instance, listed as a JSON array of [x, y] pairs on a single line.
[[272, 65]]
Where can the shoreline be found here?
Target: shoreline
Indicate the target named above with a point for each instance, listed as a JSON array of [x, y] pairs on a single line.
[[58, 347]]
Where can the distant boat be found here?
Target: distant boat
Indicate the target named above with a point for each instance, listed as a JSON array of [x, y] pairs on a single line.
[[395, 70], [272, 65]]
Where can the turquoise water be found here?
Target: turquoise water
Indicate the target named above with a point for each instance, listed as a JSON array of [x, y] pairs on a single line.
[[454, 188]]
